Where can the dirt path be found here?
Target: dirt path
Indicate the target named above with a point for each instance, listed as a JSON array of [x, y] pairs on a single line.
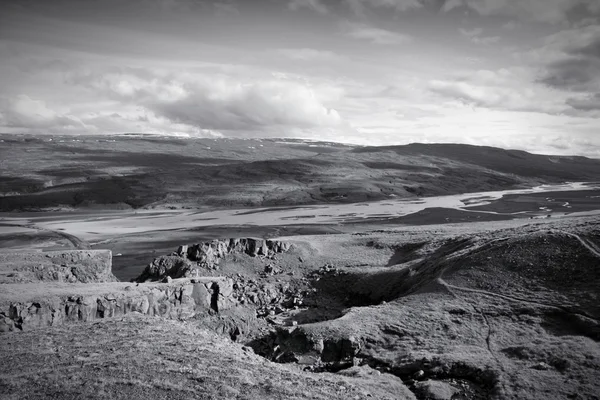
[[449, 286], [565, 308], [588, 244]]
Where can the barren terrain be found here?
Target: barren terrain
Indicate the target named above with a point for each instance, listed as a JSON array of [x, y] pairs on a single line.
[[460, 278]]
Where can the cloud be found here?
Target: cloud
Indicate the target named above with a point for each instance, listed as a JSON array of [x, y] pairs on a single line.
[[475, 36], [504, 89], [218, 102], [573, 74], [315, 5], [575, 41], [226, 8], [586, 103], [248, 107], [571, 59], [358, 6], [548, 11], [307, 54], [23, 112], [510, 25], [375, 35]]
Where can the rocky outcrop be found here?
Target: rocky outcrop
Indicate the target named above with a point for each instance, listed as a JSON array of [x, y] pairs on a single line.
[[72, 266], [189, 260], [180, 299]]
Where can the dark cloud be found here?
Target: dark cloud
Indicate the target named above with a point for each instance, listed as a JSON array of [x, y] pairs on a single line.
[[575, 74], [575, 60], [592, 49], [554, 12], [591, 103]]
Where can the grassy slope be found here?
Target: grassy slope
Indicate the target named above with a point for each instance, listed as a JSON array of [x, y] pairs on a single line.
[[151, 358], [127, 172]]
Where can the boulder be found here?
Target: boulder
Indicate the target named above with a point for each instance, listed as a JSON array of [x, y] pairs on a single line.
[[435, 390], [167, 266]]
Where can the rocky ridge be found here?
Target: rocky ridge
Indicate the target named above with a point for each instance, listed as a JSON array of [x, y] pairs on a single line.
[[193, 260], [506, 314], [179, 299], [72, 266]]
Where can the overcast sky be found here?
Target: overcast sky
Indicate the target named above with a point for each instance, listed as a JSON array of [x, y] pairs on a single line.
[[510, 73]]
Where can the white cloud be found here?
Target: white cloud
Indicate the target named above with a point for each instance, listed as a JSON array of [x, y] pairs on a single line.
[[375, 35], [307, 54], [504, 89], [219, 102], [233, 106], [23, 112]]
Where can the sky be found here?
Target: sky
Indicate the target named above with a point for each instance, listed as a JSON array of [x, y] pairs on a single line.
[[522, 74]]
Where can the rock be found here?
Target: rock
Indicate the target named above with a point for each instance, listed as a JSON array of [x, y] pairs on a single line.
[[182, 250], [341, 349], [6, 324], [171, 266], [435, 390], [181, 300], [419, 374], [207, 255], [72, 266], [167, 279], [272, 270], [541, 366]]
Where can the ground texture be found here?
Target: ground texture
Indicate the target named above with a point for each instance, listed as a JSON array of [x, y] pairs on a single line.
[[455, 311]]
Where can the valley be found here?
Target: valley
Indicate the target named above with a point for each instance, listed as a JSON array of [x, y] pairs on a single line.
[[442, 292]]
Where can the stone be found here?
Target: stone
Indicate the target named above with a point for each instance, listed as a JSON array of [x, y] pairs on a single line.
[[207, 255], [161, 267], [541, 366], [182, 250], [419, 374], [71, 266], [435, 390], [6, 324], [181, 300]]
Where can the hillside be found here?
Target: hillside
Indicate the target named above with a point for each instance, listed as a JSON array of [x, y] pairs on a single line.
[[465, 311], [122, 172]]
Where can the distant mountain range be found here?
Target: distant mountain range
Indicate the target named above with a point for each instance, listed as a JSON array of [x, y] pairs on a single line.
[[134, 171]]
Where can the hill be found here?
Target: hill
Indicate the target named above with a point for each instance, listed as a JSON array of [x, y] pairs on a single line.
[[122, 172]]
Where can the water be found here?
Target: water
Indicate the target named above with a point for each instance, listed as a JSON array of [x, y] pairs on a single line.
[[96, 226]]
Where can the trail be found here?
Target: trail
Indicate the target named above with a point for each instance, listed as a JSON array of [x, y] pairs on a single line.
[[449, 286], [588, 244]]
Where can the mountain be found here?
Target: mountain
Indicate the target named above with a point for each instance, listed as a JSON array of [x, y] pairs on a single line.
[[162, 172]]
